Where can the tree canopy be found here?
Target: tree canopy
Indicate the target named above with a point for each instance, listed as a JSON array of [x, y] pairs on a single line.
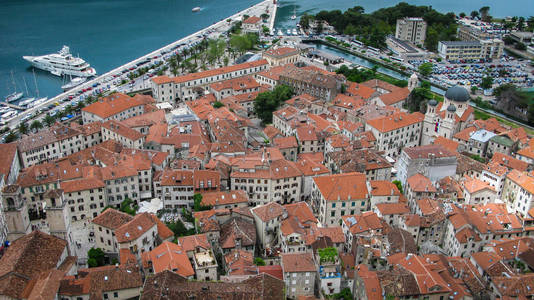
[[361, 75], [267, 102], [373, 28], [96, 257], [426, 69]]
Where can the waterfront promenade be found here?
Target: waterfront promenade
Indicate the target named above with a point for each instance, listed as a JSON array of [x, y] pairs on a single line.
[[212, 31]]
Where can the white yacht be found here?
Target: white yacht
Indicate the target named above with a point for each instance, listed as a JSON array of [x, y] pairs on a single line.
[[73, 83], [62, 63]]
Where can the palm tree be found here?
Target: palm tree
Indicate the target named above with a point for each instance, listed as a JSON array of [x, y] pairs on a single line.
[[80, 106], [49, 120], [36, 125], [68, 109], [10, 137], [23, 128]]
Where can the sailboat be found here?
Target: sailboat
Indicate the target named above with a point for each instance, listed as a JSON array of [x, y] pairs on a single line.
[[294, 16], [39, 100], [73, 83], [25, 101], [13, 96]]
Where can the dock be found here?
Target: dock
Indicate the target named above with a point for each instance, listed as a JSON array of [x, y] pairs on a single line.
[[12, 105], [194, 37]]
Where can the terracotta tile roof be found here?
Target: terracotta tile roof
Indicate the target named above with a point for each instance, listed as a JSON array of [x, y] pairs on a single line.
[[236, 84], [26, 258], [251, 20], [428, 151], [465, 134], [383, 188], [268, 211], [395, 121], [392, 208], [274, 270], [428, 206], [364, 222], [306, 133], [509, 162], [163, 231], [342, 186], [224, 198], [348, 102], [191, 242], [517, 286], [209, 73], [240, 262], [271, 132], [135, 228], [111, 105], [6, 159], [511, 248], [448, 144], [46, 136], [281, 52], [45, 286], [112, 219], [96, 281], [273, 73], [466, 234], [168, 285], [122, 130], [297, 262], [146, 119], [527, 151], [473, 185], [486, 259], [286, 142], [395, 96], [373, 290], [420, 183], [311, 168], [81, 184], [401, 240], [168, 256], [237, 229], [356, 89]]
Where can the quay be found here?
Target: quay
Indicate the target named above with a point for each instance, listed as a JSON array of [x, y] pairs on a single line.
[[103, 79], [11, 105]]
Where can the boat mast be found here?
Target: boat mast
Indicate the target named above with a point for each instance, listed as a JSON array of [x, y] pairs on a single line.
[[27, 92], [13, 81], [35, 81]]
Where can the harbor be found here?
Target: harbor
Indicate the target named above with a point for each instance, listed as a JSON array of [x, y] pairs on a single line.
[[103, 83]]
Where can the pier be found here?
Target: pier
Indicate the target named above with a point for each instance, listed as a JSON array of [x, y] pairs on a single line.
[[12, 105], [220, 26]]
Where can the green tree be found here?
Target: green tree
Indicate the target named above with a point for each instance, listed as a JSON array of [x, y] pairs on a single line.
[[197, 204], [36, 125], [23, 128], [426, 69], [305, 20], [474, 89], [267, 102], [487, 82], [484, 13], [264, 17], [217, 104], [126, 206], [399, 185], [258, 261], [49, 120], [462, 15], [226, 60], [344, 294], [96, 257], [10, 137], [178, 228], [520, 46], [474, 14], [521, 23]]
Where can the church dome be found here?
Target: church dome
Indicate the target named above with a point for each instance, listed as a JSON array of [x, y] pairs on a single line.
[[457, 94], [432, 102], [451, 108]]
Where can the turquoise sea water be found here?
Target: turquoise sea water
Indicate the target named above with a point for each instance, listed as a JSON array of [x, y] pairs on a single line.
[[109, 33]]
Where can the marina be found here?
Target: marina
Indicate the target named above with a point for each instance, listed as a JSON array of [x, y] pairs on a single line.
[[104, 82]]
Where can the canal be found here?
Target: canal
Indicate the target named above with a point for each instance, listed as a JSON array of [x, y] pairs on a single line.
[[367, 63]]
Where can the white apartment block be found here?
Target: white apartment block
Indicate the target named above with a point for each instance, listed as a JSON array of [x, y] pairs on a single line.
[[188, 87], [411, 30]]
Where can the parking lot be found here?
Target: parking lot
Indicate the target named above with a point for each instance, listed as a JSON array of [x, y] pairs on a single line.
[[506, 70]]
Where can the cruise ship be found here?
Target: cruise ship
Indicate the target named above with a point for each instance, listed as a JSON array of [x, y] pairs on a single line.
[[62, 63]]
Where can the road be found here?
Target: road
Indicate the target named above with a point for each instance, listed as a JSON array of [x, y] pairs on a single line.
[[108, 82]]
